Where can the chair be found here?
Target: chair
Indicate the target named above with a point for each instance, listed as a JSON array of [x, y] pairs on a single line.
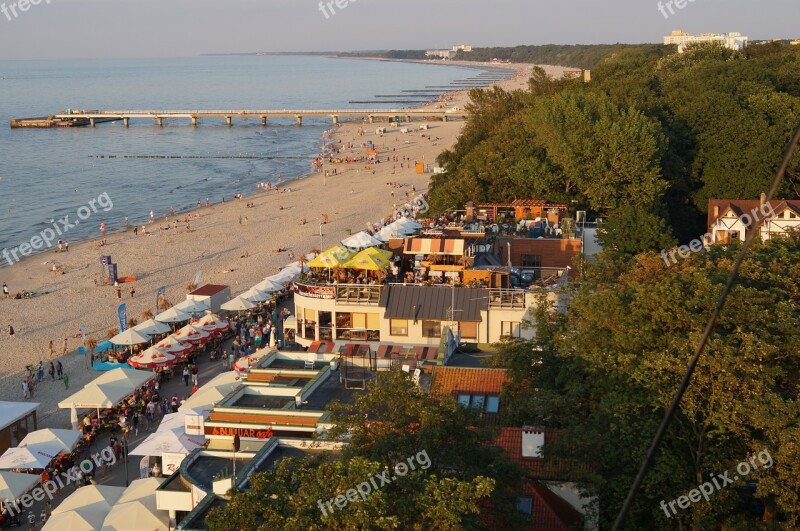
[[311, 359]]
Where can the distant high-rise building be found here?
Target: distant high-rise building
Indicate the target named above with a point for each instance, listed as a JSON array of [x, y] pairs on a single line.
[[732, 41]]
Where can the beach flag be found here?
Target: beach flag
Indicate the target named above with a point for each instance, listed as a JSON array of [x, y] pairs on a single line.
[[122, 311], [160, 301]]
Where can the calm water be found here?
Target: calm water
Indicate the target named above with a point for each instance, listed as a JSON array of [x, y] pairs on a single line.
[[48, 173]]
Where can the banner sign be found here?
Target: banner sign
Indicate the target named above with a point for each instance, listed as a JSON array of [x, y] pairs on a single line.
[[250, 433], [315, 292], [122, 311], [160, 300]]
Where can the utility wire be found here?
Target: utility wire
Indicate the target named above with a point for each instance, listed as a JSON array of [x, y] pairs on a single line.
[[712, 321]]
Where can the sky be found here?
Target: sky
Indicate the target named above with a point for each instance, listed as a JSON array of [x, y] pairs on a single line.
[[91, 29]]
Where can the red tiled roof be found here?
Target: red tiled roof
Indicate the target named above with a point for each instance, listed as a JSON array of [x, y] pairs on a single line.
[[510, 440], [453, 380], [209, 289], [561, 515], [746, 206]]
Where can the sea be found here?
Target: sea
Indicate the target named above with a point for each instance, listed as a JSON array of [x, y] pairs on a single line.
[[46, 174]]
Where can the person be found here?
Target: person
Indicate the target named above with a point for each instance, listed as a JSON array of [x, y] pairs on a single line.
[[60, 246], [231, 359], [66, 381], [31, 521], [52, 350], [52, 371], [65, 346], [5, 290], [59, 369], [136, 230], [195, 372], [156, 471], [66, 246], [133, 292], [186, 376], [119, 292], [43, 517], [225, 360], [40, 372], [10, 331], [26, 390]]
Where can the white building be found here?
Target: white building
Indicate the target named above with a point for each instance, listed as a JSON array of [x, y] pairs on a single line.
[[733, 220], [449, 54], [732, 41]]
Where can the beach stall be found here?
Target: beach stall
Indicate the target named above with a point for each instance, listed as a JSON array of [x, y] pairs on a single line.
[[211, 295], [173, 441], [17, 419]]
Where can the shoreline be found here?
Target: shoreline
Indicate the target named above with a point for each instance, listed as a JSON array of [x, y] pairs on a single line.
[[228, 242]]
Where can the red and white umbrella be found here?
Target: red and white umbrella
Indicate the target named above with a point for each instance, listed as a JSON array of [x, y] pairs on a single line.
[[152, 358], [174, 346], [192, 334], [212, 323]]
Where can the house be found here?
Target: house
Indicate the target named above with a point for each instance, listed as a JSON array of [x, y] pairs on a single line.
[[734, 219], [477, 388], [212, 295]]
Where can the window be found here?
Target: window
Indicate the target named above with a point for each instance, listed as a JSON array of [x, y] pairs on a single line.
[[510, 329], [398, 327], [431, 329], [525, 504], [531, 260], [469, 330], [486, 403], [464, 400], [478, 401], [492, 404]]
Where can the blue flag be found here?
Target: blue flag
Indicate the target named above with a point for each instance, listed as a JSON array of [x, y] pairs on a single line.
[[123, 317]]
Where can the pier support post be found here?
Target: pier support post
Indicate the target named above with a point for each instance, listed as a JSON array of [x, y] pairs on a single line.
[[194, 121], [126, 122], [263, 120], [299, 120], [371, 119], [159, 121], [228, 121], [335, 119], [91, 122]]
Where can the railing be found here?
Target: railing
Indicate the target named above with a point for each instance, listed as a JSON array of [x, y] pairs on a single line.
[[507, 298]]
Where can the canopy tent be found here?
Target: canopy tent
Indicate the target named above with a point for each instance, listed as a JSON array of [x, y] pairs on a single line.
[[297, 267], [191, 306], [130, 377], [130, 337], [98, 397], [174, 441], [172, 421], [91, 498], [237, 304], [88, 520], [67, 439], [361, 240], [393, 231], [137, 509], [367, 261], [141, 490], [212, 323], [14, 485], [408, 222], [173, 315], [152, 358], [212, 392], [382, 253], [31, 456], [268, 286], [173, 346], [334, 257], [254, 295], [282, 278], [192, 334], [151, 327]]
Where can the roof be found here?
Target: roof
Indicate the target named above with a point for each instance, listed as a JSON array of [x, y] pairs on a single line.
[[557, 506], [11, 412], [452, 380], [747, 206], [433, 302], [209, 290], [448, 246], [550, 468]]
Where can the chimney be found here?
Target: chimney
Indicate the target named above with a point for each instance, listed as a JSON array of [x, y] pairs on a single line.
[[532, 441], [763, 198], [716, 212]]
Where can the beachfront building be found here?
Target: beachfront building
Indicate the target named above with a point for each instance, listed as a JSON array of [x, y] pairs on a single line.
[[730, 220], [732, 41], [17, 419], [449, 54]]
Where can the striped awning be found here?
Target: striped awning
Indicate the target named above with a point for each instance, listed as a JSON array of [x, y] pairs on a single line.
[[450, 246]]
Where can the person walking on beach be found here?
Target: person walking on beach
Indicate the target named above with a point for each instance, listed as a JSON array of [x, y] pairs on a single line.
[[66, 381], [52, 350], [5, 290], [133, 292], [186, 376], [26, 390], [59, 369], [52, 371], [119, 292], [10, 331], [65, 346]]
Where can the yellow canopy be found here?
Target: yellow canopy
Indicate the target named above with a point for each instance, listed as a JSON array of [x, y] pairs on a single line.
[[367, 261], [333, 257], [382, 253]]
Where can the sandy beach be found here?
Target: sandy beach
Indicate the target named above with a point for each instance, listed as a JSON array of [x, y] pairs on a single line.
[[229, 243]]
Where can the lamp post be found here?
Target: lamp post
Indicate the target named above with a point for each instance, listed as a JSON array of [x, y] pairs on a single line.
[[125, 452]]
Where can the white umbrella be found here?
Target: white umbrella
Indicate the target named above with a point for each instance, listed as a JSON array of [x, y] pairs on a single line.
[[392, 231], [99, 498], [87, 520], [212, 323], [31, 456], [254, 295], [138, 515], [361, 240], [297, 267], [130, 337], [399, 228], [67, 439], [174, 441], [130, 378], [282, 278], [268, 286], [173, 345], [14, 485], [151, 327], [101, 396], [408, 222], [173, 315], [191, 306], [238, 304]]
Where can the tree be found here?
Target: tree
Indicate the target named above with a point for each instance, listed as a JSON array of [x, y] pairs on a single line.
[[632, 230]]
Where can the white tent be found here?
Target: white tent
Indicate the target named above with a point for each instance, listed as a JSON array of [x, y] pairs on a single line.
[[408, 222], [361, 240], [173, 315], [254, 295], [31, 456], [151, 327], [75, 520], [174, 441], [137, 509], [212, 392], [392, 231], [124, 376], [91, 498], [268, 286], [283, 277], [14, 485], [67, 439], [238, 304], [296, 268], [191, 306], [130, 337], [172, 421], [101, 396]]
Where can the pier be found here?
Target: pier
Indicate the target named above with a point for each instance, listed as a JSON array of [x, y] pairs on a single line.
[[91, 118]]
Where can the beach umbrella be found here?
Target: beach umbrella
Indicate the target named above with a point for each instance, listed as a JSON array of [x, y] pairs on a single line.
[[152, 358], [400, 229], [268, 286], [66, 439], [85, 520], [129, 337], [151, 327], [237, 304], [169, 441], [408, 222], [361, 240], [382, 253], [282, 278], [367, 262], [91, 498], [130, 378], [174, 346], [297, 267], [255, 295], [98, 397], [32, 456], [173, 315], [14, 485], [393, 231], [212, 323], [333, 257], [191, 306], [136, 515], [191, 334]]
